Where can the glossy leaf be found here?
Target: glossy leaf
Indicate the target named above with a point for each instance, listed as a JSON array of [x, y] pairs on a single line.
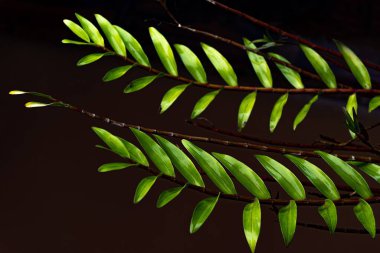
[[112, 141], [112, 35], [211, 167], [287, 217], [374, 103], [192, 63], [167, 196], [133, 46], [91, 30], [140, 83], [320, 66], [221, 64], [252, 223], [329, 214], [347, 173], [245, 109], [135, 153], [245, 175], [76, 29], [259, 64], [201, 212], [74, 42], [114, 166], [293, 77], [303, 112], [288, 181], [371, 169], [356, 66], [143, 188], [181, 162], [171, 96], [90, 59], [316, 176], [164, 51], [364, 213], [38, 94], [203, 103], [351, 108], [116, 73], [33, 104], [276, 113]]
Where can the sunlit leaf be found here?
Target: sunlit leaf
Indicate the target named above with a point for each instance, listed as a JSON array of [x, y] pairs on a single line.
[[287, 217], [114, 166], [76, 29], [371, 169], [141, 83], [143, 188], [135, 153], [171, 96], [276, 113], [38, 94], [303, 112], [33, 104], [112, 141], [192, 63], [203, 103], [374, 103], [329, 214], [116, 73], [74, 42], [167, 196], [91, 30], [245, 109], [351, 108], [201, 212], [364, 213], [252, 223], [90, 58], [293, 77]]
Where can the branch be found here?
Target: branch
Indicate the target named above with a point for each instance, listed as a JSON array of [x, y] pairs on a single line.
[[338, 229]]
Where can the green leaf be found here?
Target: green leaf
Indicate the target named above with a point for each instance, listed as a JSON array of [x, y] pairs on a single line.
[[76, 29], [374, 103], [201, 212], [316, 176], [167, 196], [363, 212], [252, 223], [74, 42], [276, 113], [213, 169], [293, 77], [38, 94], [112, 35], [303, 112], [135, 153], [112, 141], [259, 64], [245, 175], [288, 181], [171, 96], [221, 64], [116, 73], [36, 104], [140, 83], [191, 62], [143, 188], [114, 166], [349, 175], [329, 214], [90, 59], [164, 51], [351, 107], [371, 169], [154, 152], [91, 30], [181, 161], [133, 46], [320, 66], [203, 103], [287, 217], [245, 109], [356, 66]]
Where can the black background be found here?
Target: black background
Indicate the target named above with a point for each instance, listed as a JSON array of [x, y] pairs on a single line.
[[51, 197]]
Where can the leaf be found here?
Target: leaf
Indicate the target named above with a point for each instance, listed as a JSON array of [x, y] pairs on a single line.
[[351, 107], [133, 46], [143, 188], [320, 66], [112, 35], [252, 223], [140, 83], [245, 109], [74, 42], [112, 141], [154, 152], [171, 96], [181, 161], [116, 73], [91, 30], [293, 77], [191, 62], [316, 176], [287, 217], [167, 196], [329, 214], [213, 169], [201, 212], [221, 64], [303, 112], [135, 153], [374, 103], [114, 166], [203, 103], [76, 29], [259, 64], [276, 113], [364, 213], [371, 169], [164, 51], [356, 66], [349, 175], [288, 181], [90, 59], [245, 175], [38, 94], [36, 104]]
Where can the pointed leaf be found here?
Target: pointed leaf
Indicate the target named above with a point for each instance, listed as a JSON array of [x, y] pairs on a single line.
[[287, 217], [76, 29], [303, 112], [143, 188], [203, 103], [213, 169], [74, 42], [140, 83], [171, 96], [167, 196], [221, 64], [90, 59], [116, 73], [114, 166], [135, 153], [277, 112], [351, 108], [374, 103], [364, 213], [33, 104], [245, 109], [201, 212], [288, 181], [293, 77], [329, 214], [252, 223], [192, 63], [91, 30], [112, 141], [38, 94], [371, 169]]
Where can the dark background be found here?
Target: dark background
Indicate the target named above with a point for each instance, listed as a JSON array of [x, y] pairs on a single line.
[[51, 197]]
